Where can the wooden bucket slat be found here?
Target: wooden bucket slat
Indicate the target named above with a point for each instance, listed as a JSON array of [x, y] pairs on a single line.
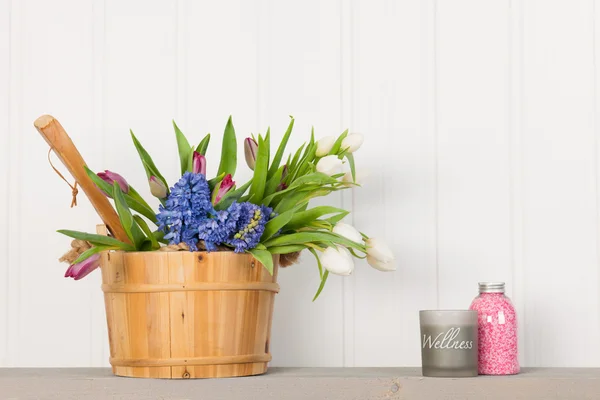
[[188, 315], [197, 286], [220, 360]]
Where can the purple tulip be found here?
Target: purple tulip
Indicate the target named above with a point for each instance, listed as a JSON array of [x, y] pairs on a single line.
[[157, 188], [199, 164], [111, 177], [82, 269], [250, 150], [222, 188]]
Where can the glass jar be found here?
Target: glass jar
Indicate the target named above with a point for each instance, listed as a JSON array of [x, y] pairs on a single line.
[[497, 330]]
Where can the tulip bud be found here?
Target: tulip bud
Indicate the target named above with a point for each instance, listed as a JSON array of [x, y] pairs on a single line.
[[352, 142], [199, 164], [157, 188], [281, 186], [379, 255], [222, 188], [111, 177], [250, 150], [348, 231], [329, 165], [82, 269], [324, 145], [337, 260], [284, 173]]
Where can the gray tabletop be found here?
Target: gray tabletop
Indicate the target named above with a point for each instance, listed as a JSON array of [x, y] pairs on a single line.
[[301, 383]]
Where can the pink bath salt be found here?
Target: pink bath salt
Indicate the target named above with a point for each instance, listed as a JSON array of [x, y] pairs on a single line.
[[497, 326]]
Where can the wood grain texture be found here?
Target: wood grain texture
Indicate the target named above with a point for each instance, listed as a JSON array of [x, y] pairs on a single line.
[[187, 326], [62, 145], [304, 383]]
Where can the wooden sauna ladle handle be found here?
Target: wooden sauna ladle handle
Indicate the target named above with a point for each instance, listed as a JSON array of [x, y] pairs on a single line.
[[66, 151]]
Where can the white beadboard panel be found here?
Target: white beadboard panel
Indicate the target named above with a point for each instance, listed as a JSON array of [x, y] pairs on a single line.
[[559, 180], [4, 166], [347, 197], [139, 88], [473, 167], [392, 107], [13, 196], [99, 349], [481, 156], [299, 75], [516, 168], [56, 78], [220, 75]]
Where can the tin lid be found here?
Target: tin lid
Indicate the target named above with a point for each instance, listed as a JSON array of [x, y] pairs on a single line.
[[491, 287]]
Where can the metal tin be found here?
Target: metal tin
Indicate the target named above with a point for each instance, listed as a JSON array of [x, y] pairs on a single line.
[[449, 343]]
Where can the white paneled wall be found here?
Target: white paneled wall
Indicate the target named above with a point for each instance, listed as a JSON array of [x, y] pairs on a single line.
[[481, 156]]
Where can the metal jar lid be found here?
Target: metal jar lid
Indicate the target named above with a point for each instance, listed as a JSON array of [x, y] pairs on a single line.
[[491, 287]]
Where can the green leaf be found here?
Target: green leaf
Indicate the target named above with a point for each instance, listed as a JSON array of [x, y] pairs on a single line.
[[274, 225], [231, 196], [267, 140], [90, 252], [159, 236], [190, 162], [97, 240], [292, 166], [308, 237], [350, 158], [280, 150], [147, 231], [286, 249], [137, 197], [301, 219], [228, 151], [257, 190], [274, 182], [149, 166], [184, 148], [317, 179], [264, 257], [314, 252], [322, 285], [203, 146], [303, 164], [338, 143], [290, 201], [214, 181], [133, 231], [337, 218]]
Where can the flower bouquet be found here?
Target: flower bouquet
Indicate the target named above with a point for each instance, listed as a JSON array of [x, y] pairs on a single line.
[[207, 220]]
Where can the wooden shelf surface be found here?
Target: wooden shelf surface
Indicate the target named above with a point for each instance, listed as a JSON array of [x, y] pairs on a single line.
[[301, 383]]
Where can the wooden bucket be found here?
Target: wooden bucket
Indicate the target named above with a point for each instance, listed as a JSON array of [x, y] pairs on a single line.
[[188, 314]]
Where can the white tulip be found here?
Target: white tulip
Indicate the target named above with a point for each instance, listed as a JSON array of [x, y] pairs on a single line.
[[337, 260], [379, 255], [324, 146], [380, 265], [352, 142], [348, 231], [329, 165]]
